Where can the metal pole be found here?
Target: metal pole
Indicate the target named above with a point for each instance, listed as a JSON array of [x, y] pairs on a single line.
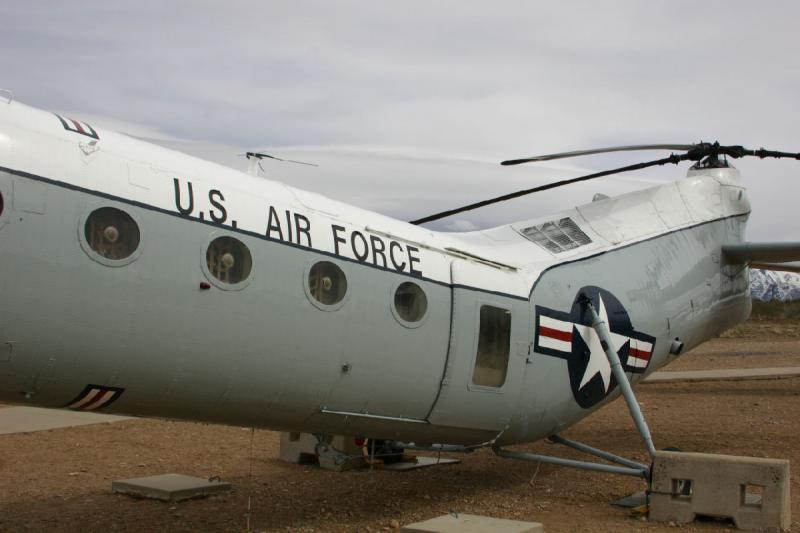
[[622, 380], [585, 448], [438, 447], [611, 469]]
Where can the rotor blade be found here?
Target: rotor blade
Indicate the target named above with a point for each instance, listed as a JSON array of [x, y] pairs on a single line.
[[702, 150], [299, 162], [674, 159], [262, 155], [762, 153], [577, 153]]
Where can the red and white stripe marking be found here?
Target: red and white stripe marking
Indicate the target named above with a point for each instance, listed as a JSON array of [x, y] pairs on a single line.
[[77, 126], [639, 353], [555, 334], [94, 398]]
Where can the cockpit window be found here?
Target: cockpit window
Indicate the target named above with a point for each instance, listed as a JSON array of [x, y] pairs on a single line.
[[112, 233]]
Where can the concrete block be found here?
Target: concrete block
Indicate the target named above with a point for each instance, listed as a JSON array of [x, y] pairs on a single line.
[[169, 487], [754, 492], [298, 448], [470, 523], [341, 453]]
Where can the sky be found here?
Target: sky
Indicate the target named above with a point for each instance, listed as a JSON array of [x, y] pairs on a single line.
[[408, 106]]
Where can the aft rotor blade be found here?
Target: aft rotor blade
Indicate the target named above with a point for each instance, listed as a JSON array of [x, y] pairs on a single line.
[[674, 159], [578, 153], [762, 153]]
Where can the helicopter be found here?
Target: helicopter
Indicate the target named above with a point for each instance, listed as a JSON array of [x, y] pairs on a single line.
[[138, 280]]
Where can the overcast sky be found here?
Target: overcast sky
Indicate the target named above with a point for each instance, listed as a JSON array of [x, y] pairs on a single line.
[[462, 80]]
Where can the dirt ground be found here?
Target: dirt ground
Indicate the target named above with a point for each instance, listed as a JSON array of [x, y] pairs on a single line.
[[60, 480]]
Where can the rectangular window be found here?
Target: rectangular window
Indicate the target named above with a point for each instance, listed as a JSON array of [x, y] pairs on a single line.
[[491, 362]]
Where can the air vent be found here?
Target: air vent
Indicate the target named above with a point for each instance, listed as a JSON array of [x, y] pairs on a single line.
[[557, 236]]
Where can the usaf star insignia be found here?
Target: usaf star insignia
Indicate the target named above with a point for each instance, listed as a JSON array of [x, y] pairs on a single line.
[[570, 336]]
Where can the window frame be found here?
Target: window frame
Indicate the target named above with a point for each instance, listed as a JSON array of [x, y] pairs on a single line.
[[307, 290], [214, 235], [396, 314], [6, 196], [471, 385], [93, 255]]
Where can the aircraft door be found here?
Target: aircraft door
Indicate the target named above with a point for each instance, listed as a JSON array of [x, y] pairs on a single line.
[[392, 345], [488, 348]]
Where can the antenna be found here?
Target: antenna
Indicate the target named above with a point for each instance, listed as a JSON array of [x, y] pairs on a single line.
[[256, 157]]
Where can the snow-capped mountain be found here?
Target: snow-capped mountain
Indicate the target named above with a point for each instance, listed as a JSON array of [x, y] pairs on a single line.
[[768, 285]]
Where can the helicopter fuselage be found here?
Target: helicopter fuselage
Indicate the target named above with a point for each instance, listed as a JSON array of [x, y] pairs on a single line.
[[223, 297]]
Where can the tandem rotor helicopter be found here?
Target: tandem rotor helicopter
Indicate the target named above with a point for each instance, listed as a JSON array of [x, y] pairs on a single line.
[[138, 280]]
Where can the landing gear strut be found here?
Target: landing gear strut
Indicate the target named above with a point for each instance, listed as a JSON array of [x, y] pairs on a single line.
[[622, 465]]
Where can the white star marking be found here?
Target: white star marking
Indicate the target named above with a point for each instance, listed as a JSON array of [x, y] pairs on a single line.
[[598, 361]]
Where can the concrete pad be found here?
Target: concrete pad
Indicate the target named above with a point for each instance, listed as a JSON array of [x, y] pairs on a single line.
[[470, 523], [730, 374], [754, 492], [421, 462], [169, 487], [27, 419]]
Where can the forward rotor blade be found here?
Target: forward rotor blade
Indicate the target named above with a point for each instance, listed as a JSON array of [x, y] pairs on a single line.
[[299, 162], [262, 155], [578, 153], [674, 159]]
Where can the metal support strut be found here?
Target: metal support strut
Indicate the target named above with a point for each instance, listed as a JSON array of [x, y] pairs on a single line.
[[622, 466], [585, 465], [591, 450], [601, 329]]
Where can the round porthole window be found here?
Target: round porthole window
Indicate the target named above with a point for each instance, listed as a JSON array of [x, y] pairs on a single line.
[[327, 283], [111, 233], [229, 260], [410, 302]]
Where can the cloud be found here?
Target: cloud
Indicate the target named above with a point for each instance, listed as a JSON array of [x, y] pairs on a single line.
[[465, 79]]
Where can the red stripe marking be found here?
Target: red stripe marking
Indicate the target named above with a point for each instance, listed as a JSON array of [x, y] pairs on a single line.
[[95, 398], [78, 125], [639, 354], [555, 334]]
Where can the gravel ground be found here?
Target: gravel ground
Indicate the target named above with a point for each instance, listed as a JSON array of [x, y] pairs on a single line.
[[60, 480]]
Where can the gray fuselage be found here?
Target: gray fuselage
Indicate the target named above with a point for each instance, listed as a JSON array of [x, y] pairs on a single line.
[[266, 355]]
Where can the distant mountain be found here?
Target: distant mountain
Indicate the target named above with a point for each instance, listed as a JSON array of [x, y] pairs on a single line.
[[768, 285]]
